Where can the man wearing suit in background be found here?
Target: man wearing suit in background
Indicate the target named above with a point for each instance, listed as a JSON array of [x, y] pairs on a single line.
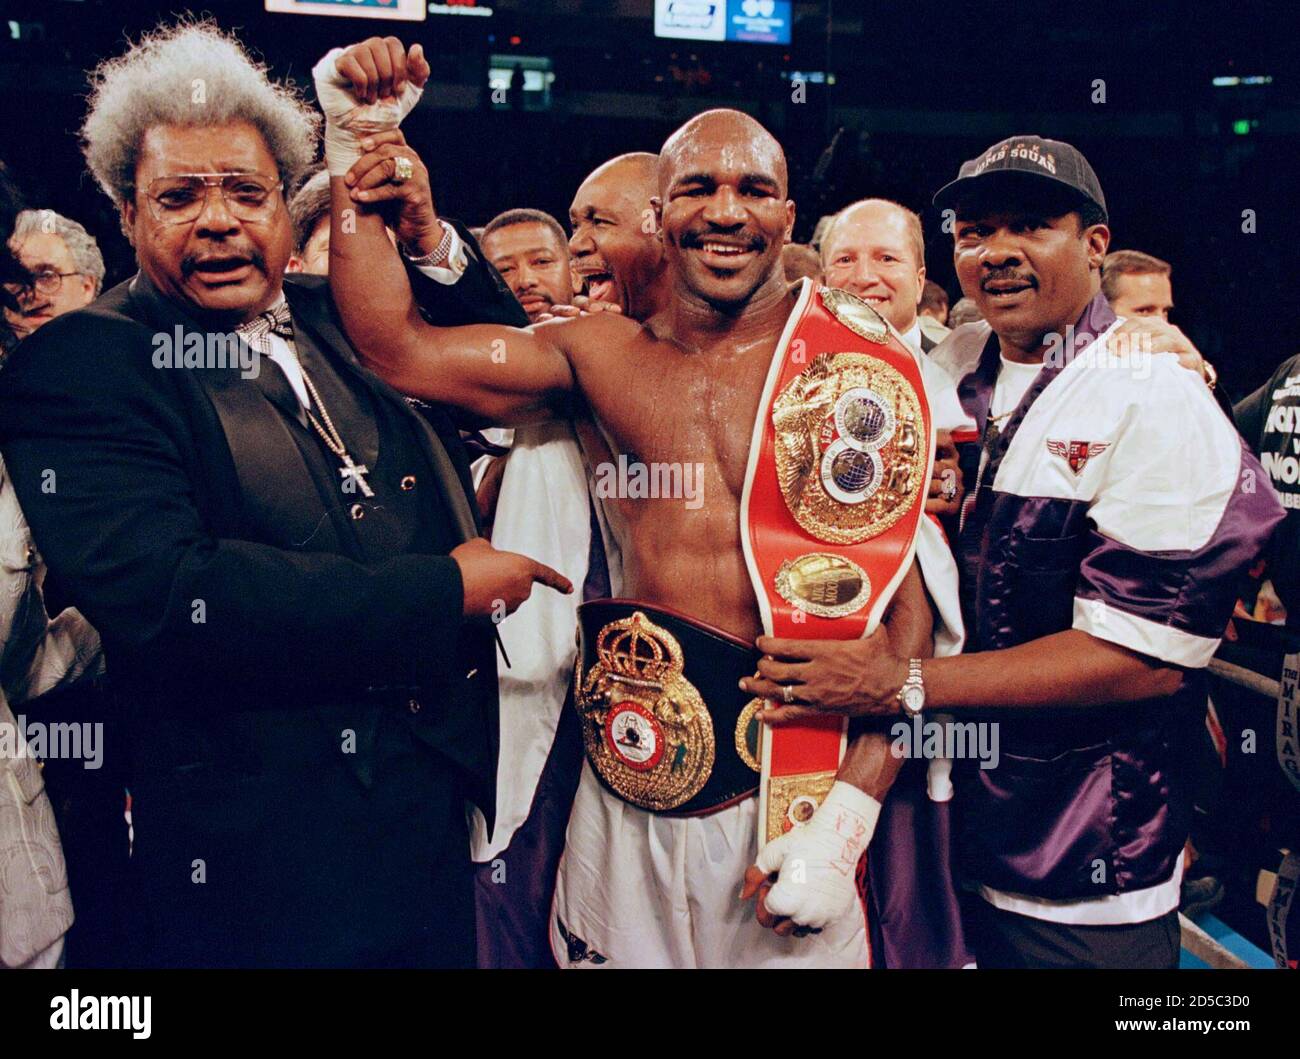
[[280, 554], [875, 249]]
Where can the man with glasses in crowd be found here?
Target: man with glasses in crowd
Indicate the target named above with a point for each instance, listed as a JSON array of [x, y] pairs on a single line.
[[280, 554], [65, 269]]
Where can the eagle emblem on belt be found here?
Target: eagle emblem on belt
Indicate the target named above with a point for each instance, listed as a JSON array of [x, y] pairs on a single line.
[[1076, 453]]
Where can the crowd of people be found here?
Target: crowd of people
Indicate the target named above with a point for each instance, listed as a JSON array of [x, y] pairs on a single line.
[[319, 587]]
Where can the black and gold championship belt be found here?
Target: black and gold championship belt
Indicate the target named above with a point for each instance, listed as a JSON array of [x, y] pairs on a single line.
[[664, 723], [835, 487], [838, 473]]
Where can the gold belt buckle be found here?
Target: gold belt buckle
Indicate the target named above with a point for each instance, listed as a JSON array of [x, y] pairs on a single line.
[[850, 449], [645, 727]]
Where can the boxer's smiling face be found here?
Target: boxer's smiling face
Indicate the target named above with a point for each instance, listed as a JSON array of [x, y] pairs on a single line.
[[216, 262], [1030, 272], [724, 211]]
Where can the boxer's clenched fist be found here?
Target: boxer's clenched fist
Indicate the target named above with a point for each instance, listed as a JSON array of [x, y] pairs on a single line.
[[815, 865], [494, 581], [366, 89]]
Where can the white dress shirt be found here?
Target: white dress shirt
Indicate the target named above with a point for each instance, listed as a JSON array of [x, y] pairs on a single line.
[[285, 356]]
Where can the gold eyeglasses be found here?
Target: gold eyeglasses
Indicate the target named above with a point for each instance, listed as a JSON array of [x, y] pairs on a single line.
[[181, 198]]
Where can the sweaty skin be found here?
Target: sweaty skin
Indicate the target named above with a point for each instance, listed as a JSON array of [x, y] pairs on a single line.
[[681, 388]]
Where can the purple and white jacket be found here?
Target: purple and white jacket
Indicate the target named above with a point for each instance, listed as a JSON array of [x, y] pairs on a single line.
[[1119, 500]]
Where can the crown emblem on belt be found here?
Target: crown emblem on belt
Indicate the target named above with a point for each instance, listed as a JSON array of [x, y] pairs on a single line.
[[638, 651], [646, 729]]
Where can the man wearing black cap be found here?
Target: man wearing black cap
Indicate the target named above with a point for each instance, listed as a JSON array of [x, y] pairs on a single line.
[[1114, 510], [1100, 551]]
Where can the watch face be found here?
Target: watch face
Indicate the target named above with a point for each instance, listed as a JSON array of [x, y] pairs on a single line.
[[913, 699]]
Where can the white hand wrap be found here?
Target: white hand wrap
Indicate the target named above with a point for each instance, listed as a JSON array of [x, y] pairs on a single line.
[[347, 122], [818, 862]]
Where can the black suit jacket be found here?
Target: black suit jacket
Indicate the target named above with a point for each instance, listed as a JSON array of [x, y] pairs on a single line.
[[242, 632]]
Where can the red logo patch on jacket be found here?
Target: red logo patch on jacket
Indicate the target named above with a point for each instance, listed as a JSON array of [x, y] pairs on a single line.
[[1076, 453]]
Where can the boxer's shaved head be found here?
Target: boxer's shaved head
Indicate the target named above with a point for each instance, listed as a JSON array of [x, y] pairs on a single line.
[[615, 251], [723, 207], [639, 168], [733, 134]]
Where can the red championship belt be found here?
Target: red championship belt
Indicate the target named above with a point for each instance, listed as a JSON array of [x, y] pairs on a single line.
[[839, 467]]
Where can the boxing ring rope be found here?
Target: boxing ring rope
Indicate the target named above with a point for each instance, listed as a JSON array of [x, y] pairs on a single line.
[[1195, 939], [1205, 948], [1246, 678]]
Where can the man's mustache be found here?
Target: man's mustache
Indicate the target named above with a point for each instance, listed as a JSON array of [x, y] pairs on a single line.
[[1006, 275], [694, 240], [192, 262]]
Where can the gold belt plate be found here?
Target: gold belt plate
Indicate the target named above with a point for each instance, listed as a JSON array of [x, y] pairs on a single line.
[[856, 315], [645, 727], [850, 447], [827, 585], [792, 800]]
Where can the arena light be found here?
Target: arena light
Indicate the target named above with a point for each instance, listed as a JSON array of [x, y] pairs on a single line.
[[403, 10], [1234, 82], [810, 77], [537, 74], [460, 7], [750, 21]]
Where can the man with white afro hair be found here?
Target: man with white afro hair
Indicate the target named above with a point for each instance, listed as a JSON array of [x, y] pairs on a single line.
[[280, 552], [187, 75]]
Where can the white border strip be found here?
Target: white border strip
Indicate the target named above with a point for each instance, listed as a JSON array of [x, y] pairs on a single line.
[[1098, 618]]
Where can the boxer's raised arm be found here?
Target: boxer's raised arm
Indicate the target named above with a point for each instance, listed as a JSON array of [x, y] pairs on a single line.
[[496, 373], [503, 374]]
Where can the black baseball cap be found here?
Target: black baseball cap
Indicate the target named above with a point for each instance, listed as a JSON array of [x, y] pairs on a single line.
[[1025, 158]]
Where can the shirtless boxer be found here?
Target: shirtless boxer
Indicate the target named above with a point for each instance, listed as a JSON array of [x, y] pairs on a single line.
[[683, 389], [545, 511]]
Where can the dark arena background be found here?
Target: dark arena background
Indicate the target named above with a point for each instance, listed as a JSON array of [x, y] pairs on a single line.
[[1190, 113]]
